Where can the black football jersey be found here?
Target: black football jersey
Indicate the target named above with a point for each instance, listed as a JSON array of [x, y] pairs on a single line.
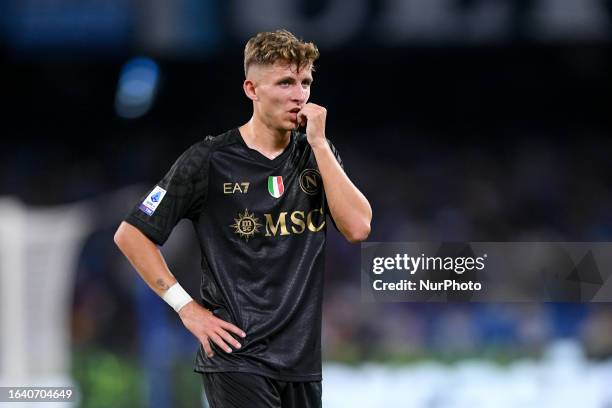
[[261, 226]]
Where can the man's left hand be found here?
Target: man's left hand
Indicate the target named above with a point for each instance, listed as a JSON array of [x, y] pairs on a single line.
[[313, 117]]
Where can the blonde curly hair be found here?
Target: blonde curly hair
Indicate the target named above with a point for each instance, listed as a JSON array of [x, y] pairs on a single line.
[[268, 47]]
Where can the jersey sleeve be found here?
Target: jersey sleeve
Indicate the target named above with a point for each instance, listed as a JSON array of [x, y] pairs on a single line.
[[181, 193], [337, 156]]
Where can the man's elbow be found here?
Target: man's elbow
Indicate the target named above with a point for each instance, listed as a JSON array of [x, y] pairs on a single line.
[[120, 235], [358, 233], [117, 238]]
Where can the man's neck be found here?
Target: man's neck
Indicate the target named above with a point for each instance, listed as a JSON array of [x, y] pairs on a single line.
[[267, 141]]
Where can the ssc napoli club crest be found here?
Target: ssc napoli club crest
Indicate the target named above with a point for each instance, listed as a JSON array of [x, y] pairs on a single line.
[[311, 181]]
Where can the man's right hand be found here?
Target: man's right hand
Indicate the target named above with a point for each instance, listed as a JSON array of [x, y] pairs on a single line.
[[207, 327]]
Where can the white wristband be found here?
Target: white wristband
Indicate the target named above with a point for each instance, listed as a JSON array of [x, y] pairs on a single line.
[[176, 297]]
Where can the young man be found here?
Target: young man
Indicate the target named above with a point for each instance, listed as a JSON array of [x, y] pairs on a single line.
[[258, 196]]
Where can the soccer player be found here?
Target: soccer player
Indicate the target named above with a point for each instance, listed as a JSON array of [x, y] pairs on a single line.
[[258, 196]]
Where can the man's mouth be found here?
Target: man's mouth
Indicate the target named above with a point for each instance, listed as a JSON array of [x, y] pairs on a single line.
[[295, 110]]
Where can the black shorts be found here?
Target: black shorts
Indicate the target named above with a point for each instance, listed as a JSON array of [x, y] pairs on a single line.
[[245, 390]]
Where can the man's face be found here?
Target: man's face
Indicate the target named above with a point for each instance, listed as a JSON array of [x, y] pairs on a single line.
[[281, 92]]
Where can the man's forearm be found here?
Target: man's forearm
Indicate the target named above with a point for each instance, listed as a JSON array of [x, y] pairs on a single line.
[[348, 206], [145, 257]]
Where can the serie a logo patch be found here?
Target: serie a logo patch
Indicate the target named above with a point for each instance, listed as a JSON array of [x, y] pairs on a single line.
[[149, 205]]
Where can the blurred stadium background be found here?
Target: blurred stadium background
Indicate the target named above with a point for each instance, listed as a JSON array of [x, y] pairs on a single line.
[[469, 120]]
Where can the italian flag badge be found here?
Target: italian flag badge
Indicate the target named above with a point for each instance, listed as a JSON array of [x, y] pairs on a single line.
[[275, 186]]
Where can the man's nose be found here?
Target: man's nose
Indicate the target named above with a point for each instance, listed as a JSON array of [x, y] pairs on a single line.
[[299, 94]]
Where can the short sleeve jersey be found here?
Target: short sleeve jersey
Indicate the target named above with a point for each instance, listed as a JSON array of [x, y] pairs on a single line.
[[261, 226]]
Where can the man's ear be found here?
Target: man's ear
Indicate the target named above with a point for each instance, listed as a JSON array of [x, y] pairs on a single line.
[[249, 89]]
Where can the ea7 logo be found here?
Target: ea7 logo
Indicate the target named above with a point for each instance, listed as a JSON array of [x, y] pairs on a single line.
[[299, 221], [231, 188]]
